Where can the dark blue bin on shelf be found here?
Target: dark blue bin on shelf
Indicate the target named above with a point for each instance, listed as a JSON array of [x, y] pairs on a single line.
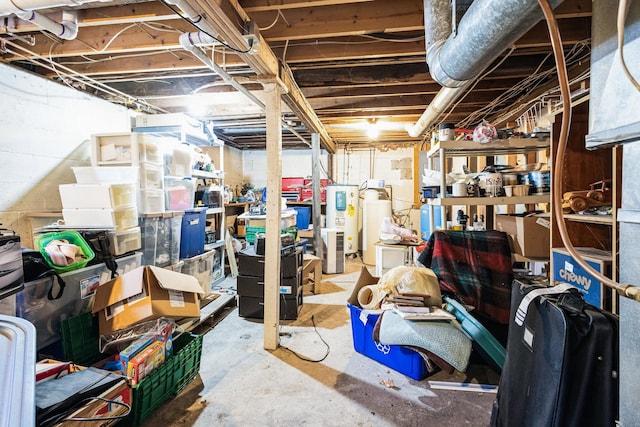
[[303, 217], [192, 235]]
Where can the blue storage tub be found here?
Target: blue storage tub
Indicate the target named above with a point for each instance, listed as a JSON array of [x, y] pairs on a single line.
[[303, 217], [399, 358], [192, 235]]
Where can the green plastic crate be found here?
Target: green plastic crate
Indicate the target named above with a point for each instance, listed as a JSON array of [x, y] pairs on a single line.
[[80, 339], [251, 232], [70, 236], [167, 380]]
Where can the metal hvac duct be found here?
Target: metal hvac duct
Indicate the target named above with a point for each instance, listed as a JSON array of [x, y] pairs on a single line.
[[487, 29]]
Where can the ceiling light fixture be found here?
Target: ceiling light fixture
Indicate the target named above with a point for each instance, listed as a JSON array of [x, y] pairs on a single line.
[[373, 129]]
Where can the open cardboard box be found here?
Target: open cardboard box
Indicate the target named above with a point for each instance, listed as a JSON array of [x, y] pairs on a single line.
[[143, 294]]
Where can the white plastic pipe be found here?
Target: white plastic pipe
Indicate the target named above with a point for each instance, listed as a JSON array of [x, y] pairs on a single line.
[[188, 11], [8, 7], [66, 30]]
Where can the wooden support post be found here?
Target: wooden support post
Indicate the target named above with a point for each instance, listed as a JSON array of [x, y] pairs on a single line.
[[272, 93], [317, 225]]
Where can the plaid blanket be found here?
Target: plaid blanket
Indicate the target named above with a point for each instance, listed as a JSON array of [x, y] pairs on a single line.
[[474, 265]]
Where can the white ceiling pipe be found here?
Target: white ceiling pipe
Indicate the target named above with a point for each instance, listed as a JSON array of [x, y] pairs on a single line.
[[8, 7], [443, 100], [194, 16], [66, 30]]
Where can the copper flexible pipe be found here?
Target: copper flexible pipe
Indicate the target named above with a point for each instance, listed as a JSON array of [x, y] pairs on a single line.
[[626, 290]]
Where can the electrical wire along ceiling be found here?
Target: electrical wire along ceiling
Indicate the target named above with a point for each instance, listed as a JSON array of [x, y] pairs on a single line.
[[345, 64]]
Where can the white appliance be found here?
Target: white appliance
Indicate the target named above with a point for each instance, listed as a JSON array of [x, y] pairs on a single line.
[[333, 250], [373, 212], [342, 213]]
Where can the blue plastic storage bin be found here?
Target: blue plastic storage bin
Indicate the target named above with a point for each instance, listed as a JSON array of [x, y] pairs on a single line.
[[303, 217], [399, 358], [425, 228], [192, 234]]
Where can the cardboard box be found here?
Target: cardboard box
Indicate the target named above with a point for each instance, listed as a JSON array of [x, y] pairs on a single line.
[[530, 234], [143, 363], [162, 332], [567, 270], [146, 293]]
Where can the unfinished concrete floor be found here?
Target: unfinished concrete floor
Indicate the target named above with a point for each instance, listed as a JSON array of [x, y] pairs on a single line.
[[241, 384]]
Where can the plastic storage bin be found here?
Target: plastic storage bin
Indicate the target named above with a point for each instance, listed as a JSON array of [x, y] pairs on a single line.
[[168, 379], [178, 161], [121, 242], [193, 233], [149, 150], [34, 305], [161, 235], [251, 232], [119, 219], [151, 176], [200, 267], [151, 201], [126, 264], [179, 193], [91, 196], [288, 219], [401, 359], [113, 148], [303, 217], [105, 174], [71, 236]]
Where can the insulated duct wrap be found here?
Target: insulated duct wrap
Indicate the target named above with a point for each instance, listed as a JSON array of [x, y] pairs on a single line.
[[486, 30]]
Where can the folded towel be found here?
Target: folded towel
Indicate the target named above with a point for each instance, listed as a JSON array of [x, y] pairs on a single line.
[[442, 338]]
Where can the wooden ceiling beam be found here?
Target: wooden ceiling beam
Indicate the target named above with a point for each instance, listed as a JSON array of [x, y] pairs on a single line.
[[350, 48], [342, 20], [250, 6]]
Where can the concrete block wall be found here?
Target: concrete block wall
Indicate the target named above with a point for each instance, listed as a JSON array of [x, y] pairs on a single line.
[[294, 163], [45, 128]]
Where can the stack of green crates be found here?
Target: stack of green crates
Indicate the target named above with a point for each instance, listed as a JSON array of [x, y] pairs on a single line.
[[81, 345], [251, 232], [167, 380], [80, 339]]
